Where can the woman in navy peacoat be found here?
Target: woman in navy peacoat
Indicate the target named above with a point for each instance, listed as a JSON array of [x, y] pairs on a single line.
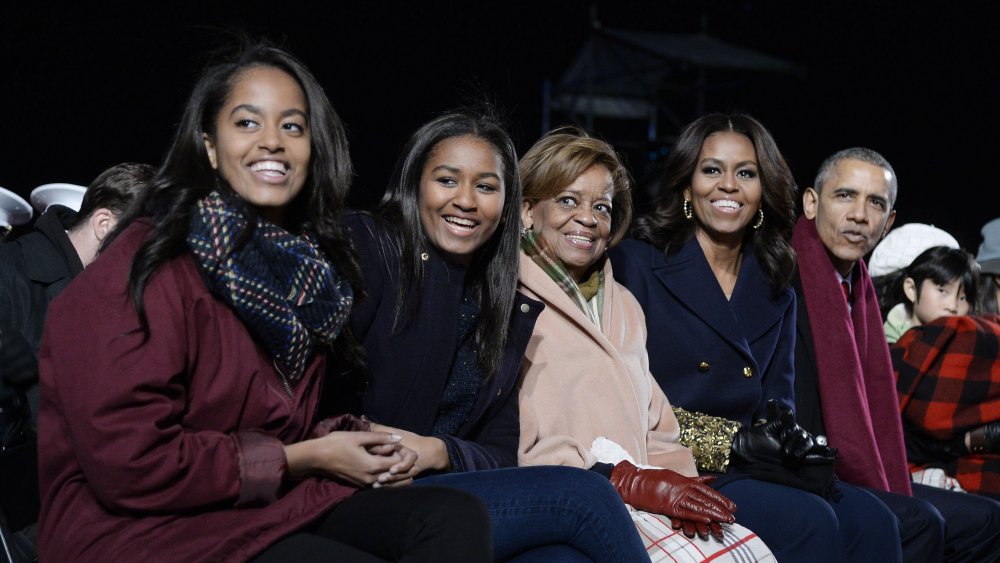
[[711, 269]]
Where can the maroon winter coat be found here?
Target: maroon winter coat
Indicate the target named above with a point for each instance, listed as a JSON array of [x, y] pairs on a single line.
[[168, 449]]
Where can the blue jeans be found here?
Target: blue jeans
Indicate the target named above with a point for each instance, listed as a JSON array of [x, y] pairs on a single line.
[[565, 513]]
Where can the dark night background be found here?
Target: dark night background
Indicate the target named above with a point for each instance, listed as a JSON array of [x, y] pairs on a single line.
[[86, 87]]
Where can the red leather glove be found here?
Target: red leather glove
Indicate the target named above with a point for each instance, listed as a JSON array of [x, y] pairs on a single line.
[[690, 528], [688, 501]]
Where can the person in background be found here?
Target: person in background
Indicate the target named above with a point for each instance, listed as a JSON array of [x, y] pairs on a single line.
[[890, 257], [947, 370], [37, 266], [444, 332], [587, 399], [988, 259], [844, 385], [711, 268], [180, 424], [14, 211], [34, 269]]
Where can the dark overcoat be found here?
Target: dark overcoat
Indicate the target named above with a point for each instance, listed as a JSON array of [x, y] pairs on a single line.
[[712, 355], [34, 268], [409, 359]]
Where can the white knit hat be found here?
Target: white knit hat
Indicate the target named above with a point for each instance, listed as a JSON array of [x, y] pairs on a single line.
[[903, 244]]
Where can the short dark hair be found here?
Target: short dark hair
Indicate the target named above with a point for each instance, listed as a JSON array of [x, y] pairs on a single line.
[[115, 189], [862, 154]]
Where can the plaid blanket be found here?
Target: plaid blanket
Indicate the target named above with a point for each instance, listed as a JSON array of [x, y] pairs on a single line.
[[948, 379], [663, 543]]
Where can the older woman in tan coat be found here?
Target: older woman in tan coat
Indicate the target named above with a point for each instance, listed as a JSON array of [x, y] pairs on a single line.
[[587, 398]]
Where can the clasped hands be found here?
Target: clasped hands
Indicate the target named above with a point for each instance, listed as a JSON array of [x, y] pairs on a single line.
[[779, 440], [364, 455]]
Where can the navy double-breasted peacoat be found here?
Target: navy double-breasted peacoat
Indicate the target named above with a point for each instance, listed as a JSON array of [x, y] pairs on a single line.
[[721, 357]]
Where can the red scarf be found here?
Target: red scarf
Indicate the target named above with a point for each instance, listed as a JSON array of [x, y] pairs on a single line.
[[856, 385]]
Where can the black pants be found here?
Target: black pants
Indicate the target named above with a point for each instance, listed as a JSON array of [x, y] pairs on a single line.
[[406, 524], [939, 525]]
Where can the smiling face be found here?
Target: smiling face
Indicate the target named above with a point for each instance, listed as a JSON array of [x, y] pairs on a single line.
[[853, 210], [461, 196], [576, 222], [932, 300], [725, 190], [261, 145]]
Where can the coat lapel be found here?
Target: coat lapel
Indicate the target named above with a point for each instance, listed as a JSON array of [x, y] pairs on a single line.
[[756, 310], [690, 279]]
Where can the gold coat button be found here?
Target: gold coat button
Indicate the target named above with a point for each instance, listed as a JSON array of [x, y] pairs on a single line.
[[747, 371], [424, 256], [704, 366], [525, 308]]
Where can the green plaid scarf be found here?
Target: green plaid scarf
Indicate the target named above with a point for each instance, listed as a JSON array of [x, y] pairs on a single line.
[[537, 250]]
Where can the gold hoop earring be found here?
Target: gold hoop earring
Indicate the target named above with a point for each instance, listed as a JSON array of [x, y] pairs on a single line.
[[688, 211], [760, 219]]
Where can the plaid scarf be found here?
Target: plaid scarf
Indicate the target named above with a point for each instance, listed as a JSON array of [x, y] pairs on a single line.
[[280, 285], [536, 249]]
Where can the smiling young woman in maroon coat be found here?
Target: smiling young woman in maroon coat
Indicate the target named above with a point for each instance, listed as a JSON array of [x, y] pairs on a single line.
[[180, 423]]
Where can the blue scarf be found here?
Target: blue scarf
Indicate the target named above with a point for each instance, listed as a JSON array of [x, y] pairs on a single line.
[[280, 285]]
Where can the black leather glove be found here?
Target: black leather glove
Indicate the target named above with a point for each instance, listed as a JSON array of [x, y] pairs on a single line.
[[762, 442], [796, 442], [985, 439], [779, 440]]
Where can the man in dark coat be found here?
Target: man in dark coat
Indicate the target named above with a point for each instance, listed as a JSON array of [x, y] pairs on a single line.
[[34, 268], [843, 376], [37, 266]]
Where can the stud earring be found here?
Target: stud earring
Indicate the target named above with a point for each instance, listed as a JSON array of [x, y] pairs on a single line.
[[688, 211]]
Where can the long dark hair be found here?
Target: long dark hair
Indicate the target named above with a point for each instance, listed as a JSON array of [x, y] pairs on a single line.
[[941, 265], [186, 175], [492, 275], [667, 228]]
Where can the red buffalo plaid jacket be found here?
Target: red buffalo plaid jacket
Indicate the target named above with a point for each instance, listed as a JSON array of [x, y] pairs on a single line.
[[948, 379]]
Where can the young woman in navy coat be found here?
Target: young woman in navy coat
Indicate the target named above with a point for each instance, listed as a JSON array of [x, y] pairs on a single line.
[[444, 332], [711, 268]]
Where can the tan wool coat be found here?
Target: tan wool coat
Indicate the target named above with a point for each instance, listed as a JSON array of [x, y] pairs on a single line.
[[582, 382]]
